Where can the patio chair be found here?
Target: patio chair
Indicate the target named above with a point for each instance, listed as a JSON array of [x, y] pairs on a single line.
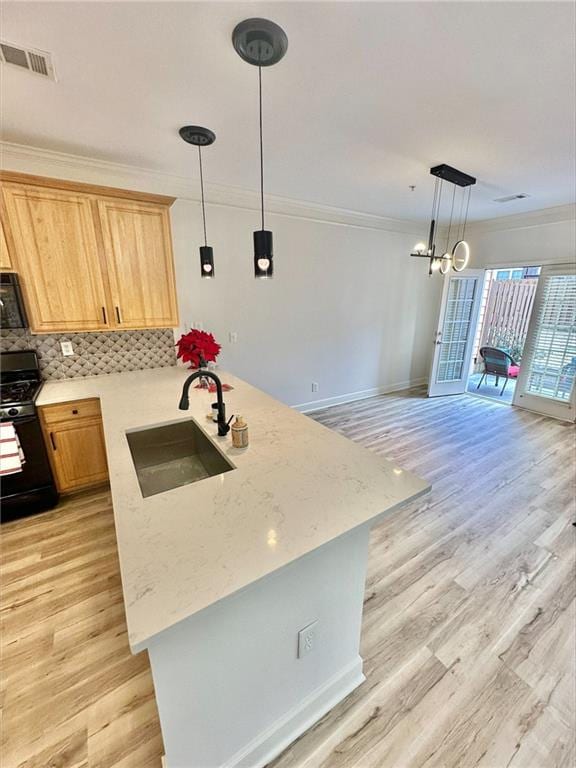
[[499, 364]]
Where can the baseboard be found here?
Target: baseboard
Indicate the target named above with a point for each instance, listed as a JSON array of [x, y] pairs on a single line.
[[350, 397], [269, 744]]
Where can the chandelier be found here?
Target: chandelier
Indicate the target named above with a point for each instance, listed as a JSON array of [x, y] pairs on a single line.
[[458, 256]]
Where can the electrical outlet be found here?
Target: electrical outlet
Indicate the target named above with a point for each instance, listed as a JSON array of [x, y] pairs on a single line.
[[315, 386], [233, 337], [67, 348], [307, 639]]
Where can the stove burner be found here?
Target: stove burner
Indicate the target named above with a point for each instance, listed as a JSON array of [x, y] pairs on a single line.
[[18, 392]]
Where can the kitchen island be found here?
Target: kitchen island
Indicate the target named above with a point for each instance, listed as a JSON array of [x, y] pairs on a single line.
[[246, 588]]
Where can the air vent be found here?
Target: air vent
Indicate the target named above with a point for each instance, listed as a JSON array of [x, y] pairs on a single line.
[[509, 198], [37, 62]]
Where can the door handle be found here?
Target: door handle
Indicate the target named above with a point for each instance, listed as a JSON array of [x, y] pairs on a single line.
[[118, 318], [104, 315], [53, 441]]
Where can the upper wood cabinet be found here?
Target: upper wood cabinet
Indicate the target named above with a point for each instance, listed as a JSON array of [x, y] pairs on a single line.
[[90, 258], [5, 260], [138, 252], [57, 257]]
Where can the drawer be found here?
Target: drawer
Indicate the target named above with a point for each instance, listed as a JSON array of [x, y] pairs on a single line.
[[72, 411]]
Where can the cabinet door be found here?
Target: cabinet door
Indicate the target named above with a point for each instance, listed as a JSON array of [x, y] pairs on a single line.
[[5, 261], [56, 254], [138, 250], [78, 453]]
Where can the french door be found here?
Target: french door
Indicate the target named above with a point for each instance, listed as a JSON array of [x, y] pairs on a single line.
[[454, 337], [546, 383]]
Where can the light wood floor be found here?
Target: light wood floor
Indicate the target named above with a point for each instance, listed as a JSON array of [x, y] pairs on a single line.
[[469, 623]]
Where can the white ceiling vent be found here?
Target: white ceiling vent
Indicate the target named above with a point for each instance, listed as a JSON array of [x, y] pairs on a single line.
[[509, 198], [38, 62]]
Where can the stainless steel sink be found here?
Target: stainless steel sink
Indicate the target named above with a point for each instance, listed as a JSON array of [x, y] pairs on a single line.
[[173, 455]]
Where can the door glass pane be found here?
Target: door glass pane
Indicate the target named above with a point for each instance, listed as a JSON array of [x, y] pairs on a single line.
[[553, 364], [456, 329]]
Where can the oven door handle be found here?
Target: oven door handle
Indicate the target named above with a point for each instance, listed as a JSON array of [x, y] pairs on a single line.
[[22, 420]]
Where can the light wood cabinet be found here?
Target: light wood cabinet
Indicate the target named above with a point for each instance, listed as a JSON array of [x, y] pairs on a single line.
[[57, 256], [75, 442], [5, 260], [90, 258], [138, 250]]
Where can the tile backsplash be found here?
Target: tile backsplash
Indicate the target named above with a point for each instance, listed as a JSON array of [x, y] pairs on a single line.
[[95, 353]]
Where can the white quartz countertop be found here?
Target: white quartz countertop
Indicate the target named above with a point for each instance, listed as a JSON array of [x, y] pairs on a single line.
[[297, 486]]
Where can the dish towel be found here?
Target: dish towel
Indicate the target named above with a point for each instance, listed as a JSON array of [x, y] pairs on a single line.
[[11, 453]]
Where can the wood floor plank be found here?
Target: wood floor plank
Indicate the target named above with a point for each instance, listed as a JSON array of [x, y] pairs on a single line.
[[70, 752], [495, 526], [469, 615]]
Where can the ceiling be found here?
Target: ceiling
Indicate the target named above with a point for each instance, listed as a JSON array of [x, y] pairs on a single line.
[[367, 98]]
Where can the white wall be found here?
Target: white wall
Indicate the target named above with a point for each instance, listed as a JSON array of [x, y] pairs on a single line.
[[544, 237], [347, 308]]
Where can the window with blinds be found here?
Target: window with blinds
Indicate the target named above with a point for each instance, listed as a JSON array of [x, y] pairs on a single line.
[[553, 362], [456, 329]]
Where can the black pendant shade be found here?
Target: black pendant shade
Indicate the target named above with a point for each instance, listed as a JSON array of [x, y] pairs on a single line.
[[263, 254], [207, 261]]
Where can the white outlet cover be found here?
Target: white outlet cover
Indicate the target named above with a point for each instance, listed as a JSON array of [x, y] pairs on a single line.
[[307, 638], [67, 348]]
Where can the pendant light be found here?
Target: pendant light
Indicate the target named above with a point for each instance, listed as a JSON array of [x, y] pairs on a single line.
[[201, 137], [459, 256], [262, 43]]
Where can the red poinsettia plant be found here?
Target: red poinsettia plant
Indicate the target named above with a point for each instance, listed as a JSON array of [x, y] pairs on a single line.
[[197, 348]]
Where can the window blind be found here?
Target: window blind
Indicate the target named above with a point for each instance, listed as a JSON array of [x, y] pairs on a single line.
[[553, 362]]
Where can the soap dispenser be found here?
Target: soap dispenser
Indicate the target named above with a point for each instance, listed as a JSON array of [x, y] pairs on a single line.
[[239, 431]]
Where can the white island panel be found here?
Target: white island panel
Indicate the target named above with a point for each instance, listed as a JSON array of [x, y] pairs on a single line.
[[230, 687]]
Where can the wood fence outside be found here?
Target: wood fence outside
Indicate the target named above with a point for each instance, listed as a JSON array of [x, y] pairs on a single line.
[[507, 314]]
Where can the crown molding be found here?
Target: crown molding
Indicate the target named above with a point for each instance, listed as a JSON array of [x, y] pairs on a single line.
[[61, 165], [554, 215]]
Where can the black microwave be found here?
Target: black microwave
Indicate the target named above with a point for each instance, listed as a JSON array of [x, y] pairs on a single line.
[[12, 309]]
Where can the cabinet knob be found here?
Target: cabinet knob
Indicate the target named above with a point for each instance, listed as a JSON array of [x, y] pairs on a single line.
[[74, 411]]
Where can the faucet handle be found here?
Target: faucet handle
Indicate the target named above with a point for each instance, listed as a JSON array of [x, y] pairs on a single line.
[[224, 427]]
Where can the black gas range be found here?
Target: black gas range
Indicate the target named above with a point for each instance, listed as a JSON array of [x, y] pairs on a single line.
[[32, 489]]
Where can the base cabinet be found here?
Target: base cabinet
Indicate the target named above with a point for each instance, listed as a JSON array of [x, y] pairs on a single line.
[[75, 442]]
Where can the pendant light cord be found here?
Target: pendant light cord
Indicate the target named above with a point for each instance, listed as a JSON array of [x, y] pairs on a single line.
[[451, 216], [466, 214], [432, 232], [261, 147], [460, 216], [202, 195]]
